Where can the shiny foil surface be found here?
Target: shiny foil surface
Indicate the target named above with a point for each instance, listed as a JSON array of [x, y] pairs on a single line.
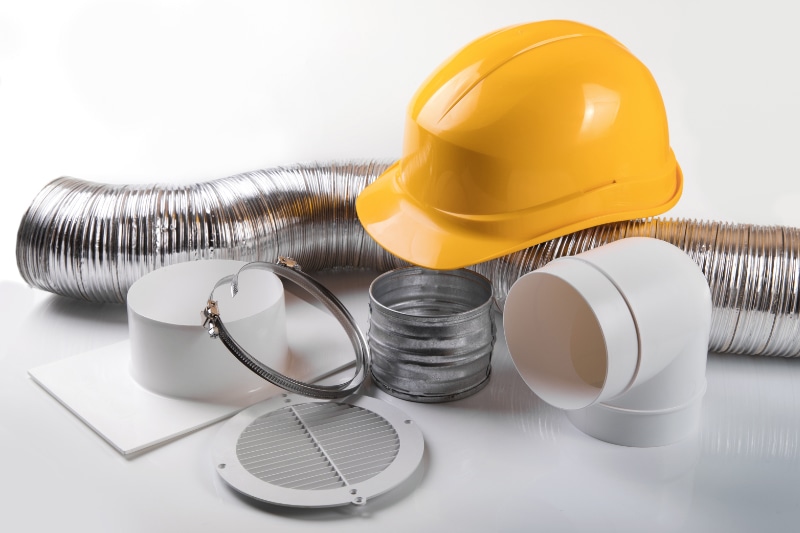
[[92, 240]]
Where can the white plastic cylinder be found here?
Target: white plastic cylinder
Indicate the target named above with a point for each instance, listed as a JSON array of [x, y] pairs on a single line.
[[173, 355], [617, 336]]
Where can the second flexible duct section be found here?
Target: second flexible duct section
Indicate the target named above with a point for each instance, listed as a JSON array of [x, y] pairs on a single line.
[[91, 241]]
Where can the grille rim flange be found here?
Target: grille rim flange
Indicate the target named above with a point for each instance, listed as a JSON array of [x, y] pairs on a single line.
[[228, 466]]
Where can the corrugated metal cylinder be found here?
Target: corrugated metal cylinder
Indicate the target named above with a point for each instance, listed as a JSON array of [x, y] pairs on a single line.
[[431, 333]]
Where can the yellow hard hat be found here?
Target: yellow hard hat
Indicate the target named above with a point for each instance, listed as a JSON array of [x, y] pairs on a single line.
[[526, 134]]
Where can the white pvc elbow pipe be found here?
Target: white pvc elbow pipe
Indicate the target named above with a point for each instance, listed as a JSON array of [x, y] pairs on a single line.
[[617, 336]]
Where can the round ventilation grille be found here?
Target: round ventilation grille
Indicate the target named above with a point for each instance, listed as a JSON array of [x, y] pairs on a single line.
[[292, 451]]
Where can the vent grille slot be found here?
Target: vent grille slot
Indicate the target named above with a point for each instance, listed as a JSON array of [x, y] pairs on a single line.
[[314, 446]]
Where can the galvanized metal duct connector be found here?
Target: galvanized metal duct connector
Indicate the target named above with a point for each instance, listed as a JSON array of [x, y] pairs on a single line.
[[431, 333], [92, 241]]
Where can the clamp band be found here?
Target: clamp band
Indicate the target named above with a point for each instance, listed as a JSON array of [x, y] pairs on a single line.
[[289, 269]]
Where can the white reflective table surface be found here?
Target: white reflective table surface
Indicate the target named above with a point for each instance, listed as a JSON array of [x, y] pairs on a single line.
[[499, 460]]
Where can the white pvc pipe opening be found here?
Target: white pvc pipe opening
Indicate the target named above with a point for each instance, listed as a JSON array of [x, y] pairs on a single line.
[[562, 326]]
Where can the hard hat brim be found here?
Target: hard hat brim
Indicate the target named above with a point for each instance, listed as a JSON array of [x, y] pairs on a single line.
[[417, 235], [432, 239]]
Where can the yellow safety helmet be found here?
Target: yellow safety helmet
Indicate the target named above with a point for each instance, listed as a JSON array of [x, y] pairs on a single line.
[[526, 134]]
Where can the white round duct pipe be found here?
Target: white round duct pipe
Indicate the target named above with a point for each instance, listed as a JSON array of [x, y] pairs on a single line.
[[617, 336], [172, 354]]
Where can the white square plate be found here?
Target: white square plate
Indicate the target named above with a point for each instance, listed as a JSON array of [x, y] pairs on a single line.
[[98, 388]]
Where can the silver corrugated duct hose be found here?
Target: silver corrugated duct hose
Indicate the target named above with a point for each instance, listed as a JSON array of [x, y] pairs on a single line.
[[92, 241]]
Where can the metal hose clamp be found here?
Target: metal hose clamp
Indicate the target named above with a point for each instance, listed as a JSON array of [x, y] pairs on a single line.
[[289, 269]]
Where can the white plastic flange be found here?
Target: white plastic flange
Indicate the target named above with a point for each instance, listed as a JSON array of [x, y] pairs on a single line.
[[172, 354], [618, 336]]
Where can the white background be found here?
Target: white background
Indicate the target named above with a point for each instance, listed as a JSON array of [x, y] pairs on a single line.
[[147, 91], [177, 91]]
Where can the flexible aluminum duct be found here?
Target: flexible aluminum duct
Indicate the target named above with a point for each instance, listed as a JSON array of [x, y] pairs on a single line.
[[92, 241]]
